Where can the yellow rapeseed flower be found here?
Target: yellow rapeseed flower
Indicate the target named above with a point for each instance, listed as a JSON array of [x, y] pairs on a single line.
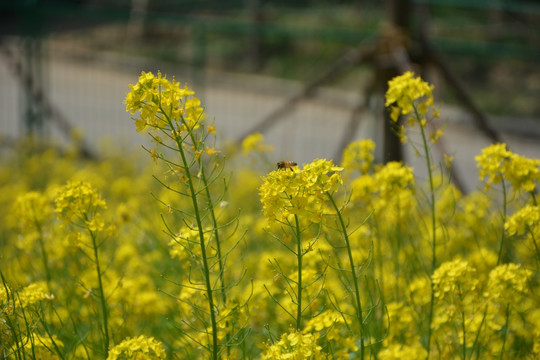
[[140, 347], [42, 346], [27, 296], [394, 176], [255, 143], [77, 200], [403, 91], [453, 278], [497, 163], [492, 163], [402, 320], [508, 283], [523, 173], [32, 209], [358, 155], [526, 219], [392, 183], [399, 351], [456, 290], [159, 101], [294, 345], [299, 192], [411, 97]]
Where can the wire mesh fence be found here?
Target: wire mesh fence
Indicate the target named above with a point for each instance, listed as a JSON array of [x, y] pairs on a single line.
[[66, 66]]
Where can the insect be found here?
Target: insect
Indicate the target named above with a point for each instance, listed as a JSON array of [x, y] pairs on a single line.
[[286, 165]]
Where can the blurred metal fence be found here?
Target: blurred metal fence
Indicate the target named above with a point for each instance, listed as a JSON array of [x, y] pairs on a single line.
[[65, 65]]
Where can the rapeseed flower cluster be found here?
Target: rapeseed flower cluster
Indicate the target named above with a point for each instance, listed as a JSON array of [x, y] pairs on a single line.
[[34, 293], [456, 290], [401, 318], [402, 93], [161, 101], [41, 346], [254, 143], [508, 283], [294, 345], [176, 123], [496, 163], [140, 347], [359, 155], [80, 201], [398, 352], [299, 192], [525, 221], [412, 97], [454, 278], [32, 209], [331, 326], [18, 309], [392, 183], [29, 295]]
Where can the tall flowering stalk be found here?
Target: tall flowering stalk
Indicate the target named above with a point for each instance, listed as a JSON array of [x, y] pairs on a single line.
[[176, 122], [507, 289], [387, 195], [79, 205], [411, 97], [296, 199], [458, 300], [353, 268]]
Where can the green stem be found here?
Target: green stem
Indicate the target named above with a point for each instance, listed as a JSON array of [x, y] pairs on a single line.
[[535, 203], [16, 332], [44, 257], [215, 231], [218, 248], [299, 256], [206, 270], [214, 220], [218, 245], [101, 295], [433, 229], [533, 238], [503, 221], [505, 330], [476, 343], [432, 202], [397, 250], [463, 328], [358, 304], [380, 259]]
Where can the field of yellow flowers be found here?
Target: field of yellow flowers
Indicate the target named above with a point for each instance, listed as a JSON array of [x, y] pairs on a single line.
[[187, 258]]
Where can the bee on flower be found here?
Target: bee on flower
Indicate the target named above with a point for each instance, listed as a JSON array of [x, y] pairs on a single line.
[[286, 165]]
